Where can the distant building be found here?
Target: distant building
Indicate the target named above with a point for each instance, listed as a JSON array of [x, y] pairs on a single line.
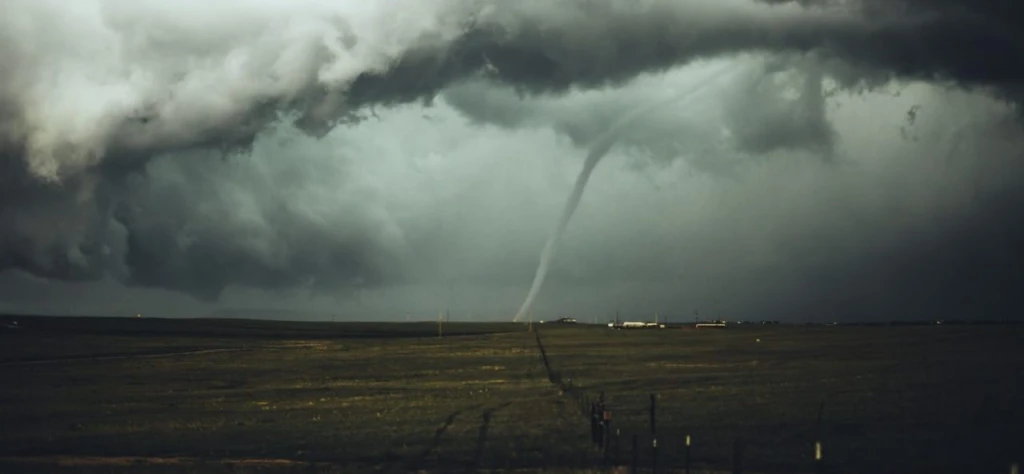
[[636, 325], [561, 321]]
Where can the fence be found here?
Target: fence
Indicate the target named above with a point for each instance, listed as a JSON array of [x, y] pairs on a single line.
[[608, 439], [675, 449]]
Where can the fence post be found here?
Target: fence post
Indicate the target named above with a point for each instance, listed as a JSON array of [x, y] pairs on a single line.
[[654, 436], [654, 455], [606, 427], [686, 463], [604, 442], [819, 460], [737, 456], [633, 468]]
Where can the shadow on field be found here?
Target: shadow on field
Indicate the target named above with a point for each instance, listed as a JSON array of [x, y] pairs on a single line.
[[421, 460], [481, 437]]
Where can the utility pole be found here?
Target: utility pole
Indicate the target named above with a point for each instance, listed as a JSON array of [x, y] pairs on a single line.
[[440, 323], [451, 297]]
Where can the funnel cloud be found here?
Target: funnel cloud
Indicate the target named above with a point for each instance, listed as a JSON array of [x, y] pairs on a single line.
[[602, 144]]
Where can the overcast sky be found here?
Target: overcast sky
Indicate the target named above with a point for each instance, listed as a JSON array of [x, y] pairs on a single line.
[[833, 160]]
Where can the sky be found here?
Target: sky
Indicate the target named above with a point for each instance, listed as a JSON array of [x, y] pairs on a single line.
[[302, 159]]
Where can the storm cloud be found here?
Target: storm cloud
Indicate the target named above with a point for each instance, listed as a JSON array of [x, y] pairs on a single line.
[[401, 146]]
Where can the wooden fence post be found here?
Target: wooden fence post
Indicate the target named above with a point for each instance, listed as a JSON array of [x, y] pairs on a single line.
[[606, 430], [604, 442]]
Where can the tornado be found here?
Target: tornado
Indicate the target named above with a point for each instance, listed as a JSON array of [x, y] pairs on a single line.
[[598, 149]]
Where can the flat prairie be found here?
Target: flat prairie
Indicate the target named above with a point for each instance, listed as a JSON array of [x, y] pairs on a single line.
[[203, 395]]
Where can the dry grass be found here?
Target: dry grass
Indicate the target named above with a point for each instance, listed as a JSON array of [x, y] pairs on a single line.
[[896, 399], [399, 403], [351, 398]]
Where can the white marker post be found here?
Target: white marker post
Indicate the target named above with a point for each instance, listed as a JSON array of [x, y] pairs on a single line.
[[686, 464], [818, 463]]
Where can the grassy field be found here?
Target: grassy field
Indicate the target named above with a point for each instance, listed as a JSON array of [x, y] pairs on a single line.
[[892, 399], [123, 395]]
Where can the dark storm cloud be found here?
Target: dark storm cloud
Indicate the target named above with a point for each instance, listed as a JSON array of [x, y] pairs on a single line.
[[199, 224], [763, 119], [598, 43], [535, 46], [583, 117], [961, 262], [94, 93], [962, 265], [55, 230], [774, 105]]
